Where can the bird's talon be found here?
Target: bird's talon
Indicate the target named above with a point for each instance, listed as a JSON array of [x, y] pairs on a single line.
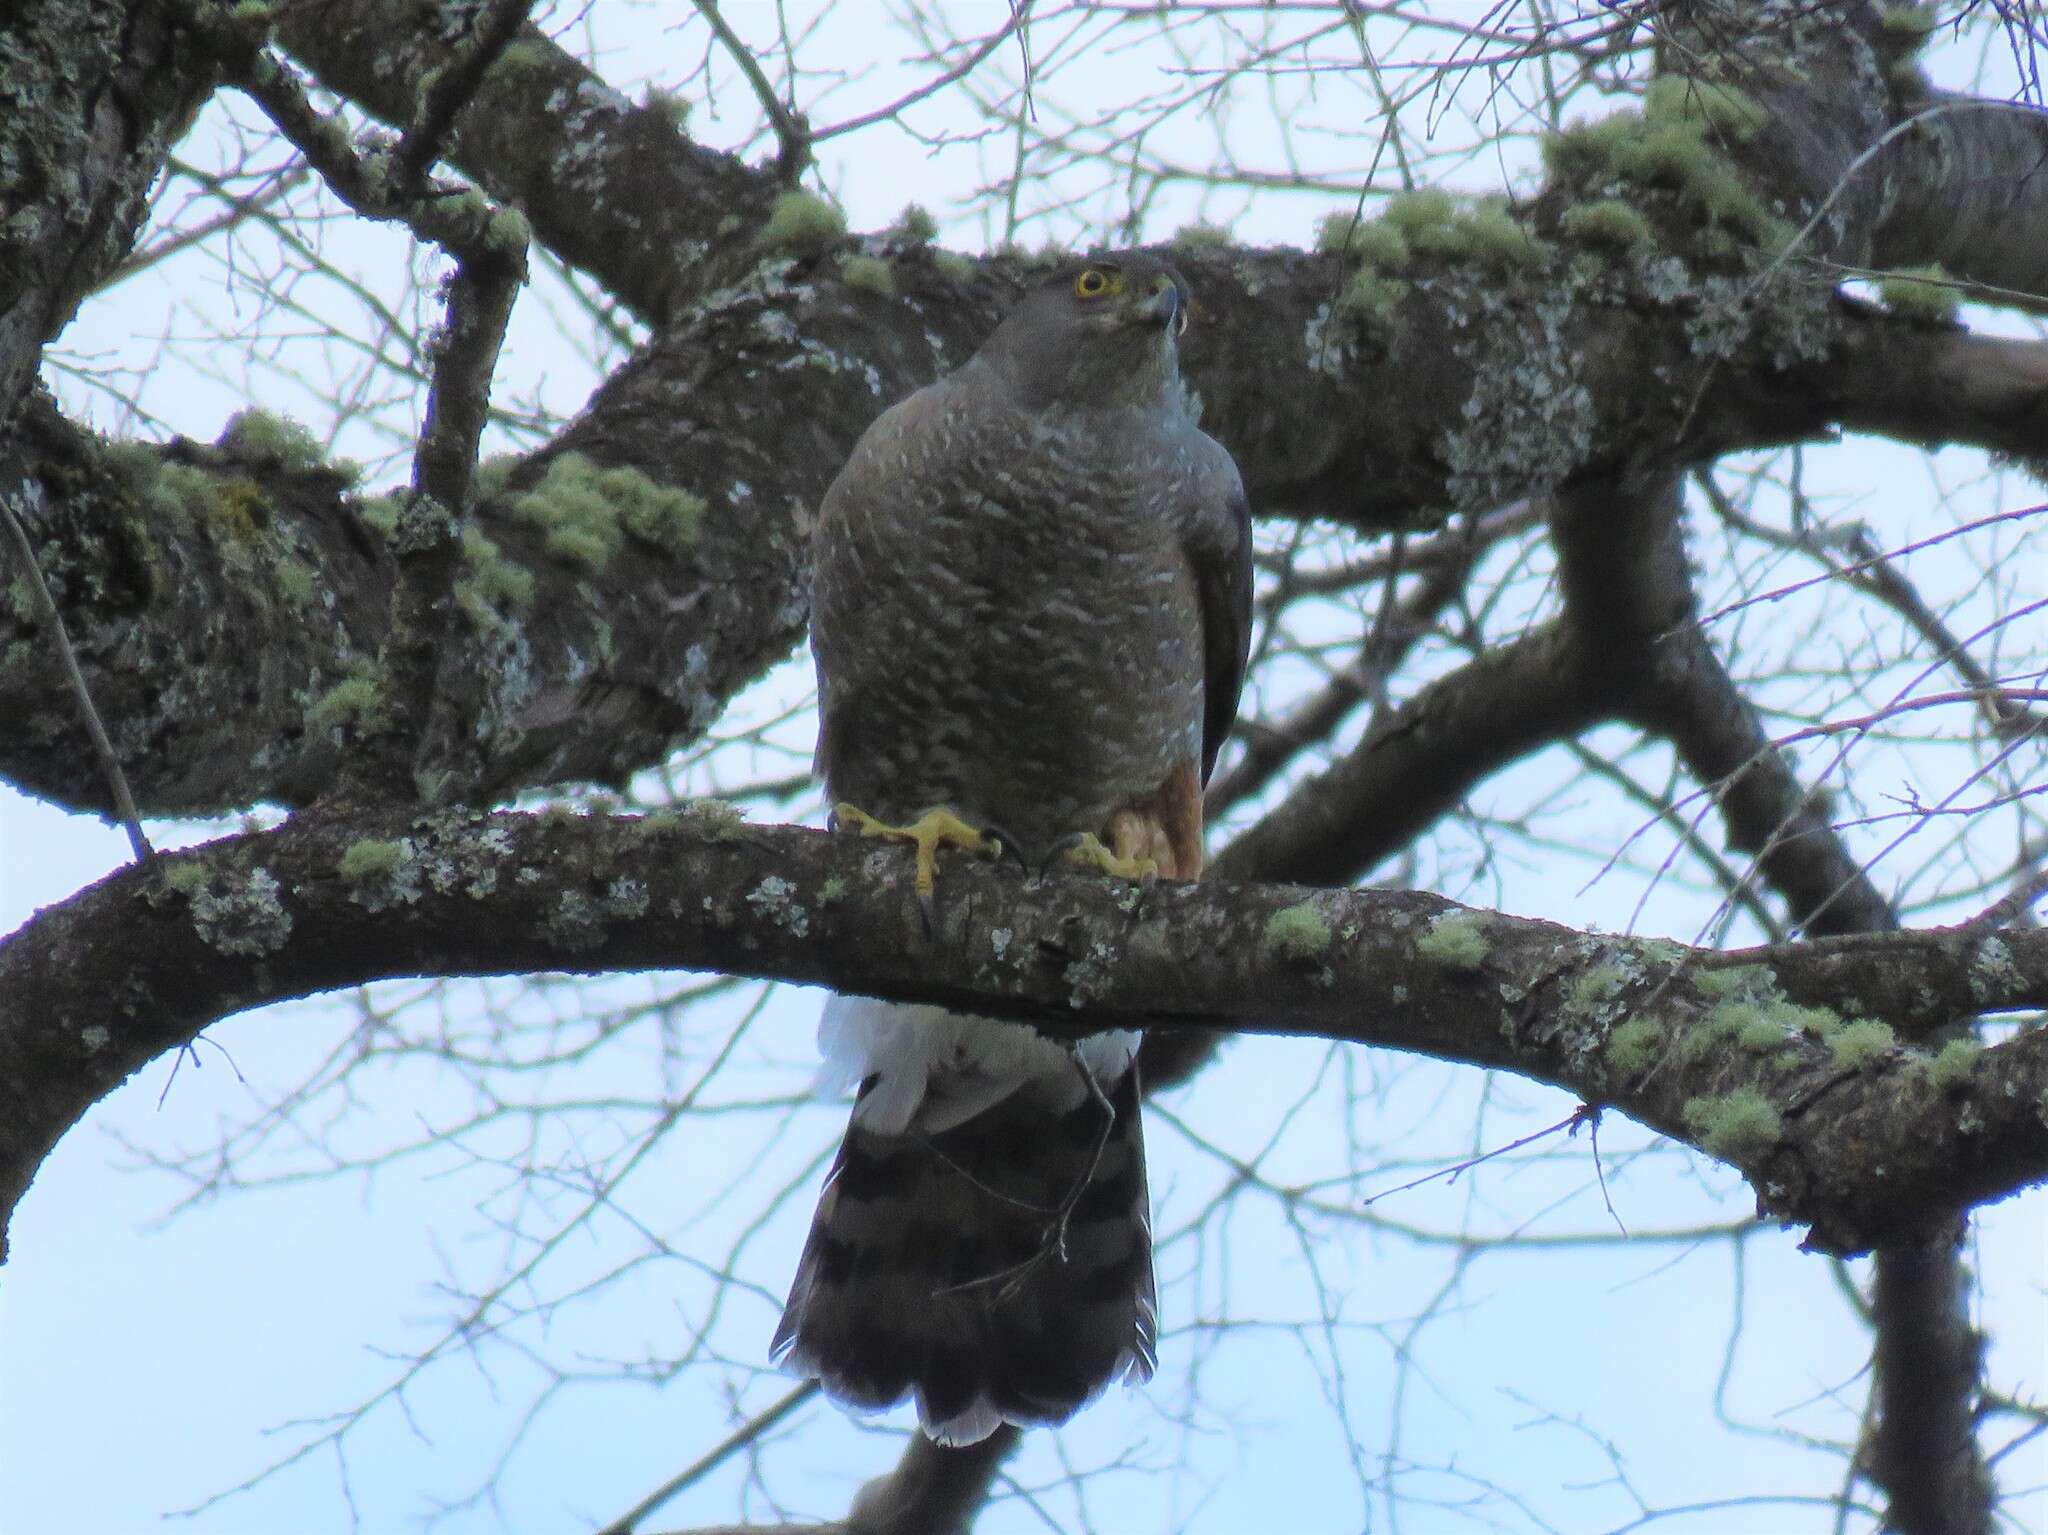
[[928, 833], [1087, 851]]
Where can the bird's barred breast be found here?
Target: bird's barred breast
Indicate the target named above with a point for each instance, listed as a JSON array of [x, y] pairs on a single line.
[[1047, 669]]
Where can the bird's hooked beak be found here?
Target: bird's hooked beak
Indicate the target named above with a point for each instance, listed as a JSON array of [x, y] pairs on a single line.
[[1165, 306]]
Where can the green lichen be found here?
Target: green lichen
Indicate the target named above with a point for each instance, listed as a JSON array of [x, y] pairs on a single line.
[[716, 820], [1195, 238], [1420, 213], [187, 879], [525, 53], [259, 437], [833, 890], [914, 226], [670, 105], [379, 513], [658, 822], [1740, 1126], [1433, 222], [801, 225], [1761, 1033], [1861, 1044], [1818, 1022], [1720, 109], [508, 232], [585, 512], [1718, 1029], [1334, 231], [1371, 297], [1735, 981], [1671, 155], [868, 274], [352, 701], [489, 580], [1297, 932], [1456, 940], [1594, 988], [295, 580], [1907, 27], [1951, 1068], [1633, 1047], [1924, 293], [162, 486], [493, 474], [1609, 222], [370, 859]]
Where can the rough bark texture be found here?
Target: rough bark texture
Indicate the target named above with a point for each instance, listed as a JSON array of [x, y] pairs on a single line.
[[141, 962]]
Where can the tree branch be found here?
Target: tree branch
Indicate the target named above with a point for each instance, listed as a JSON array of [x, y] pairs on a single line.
[[143, 961]]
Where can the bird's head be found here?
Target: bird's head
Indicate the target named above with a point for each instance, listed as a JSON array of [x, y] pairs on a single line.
[[1099, 332]]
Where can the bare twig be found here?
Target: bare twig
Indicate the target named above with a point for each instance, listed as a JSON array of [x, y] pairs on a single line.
[[451, 88], [103, 749], [711, 1459]]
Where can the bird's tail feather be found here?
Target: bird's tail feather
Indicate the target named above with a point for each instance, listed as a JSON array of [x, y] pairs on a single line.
[[999, 1270]]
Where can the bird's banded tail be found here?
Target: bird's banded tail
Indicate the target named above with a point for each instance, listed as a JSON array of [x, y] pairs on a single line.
[[999, 1270]]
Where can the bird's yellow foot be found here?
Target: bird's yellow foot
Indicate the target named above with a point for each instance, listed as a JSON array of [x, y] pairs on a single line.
[[1087, 851], [928, 833]]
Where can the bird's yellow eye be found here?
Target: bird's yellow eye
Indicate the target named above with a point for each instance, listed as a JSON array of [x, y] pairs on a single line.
[[1092, 283]]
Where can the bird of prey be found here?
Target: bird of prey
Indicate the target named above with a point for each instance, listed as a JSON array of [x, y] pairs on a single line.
[[1031, 610]]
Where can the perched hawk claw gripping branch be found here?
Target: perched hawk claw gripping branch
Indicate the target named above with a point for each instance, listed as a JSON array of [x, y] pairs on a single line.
[[1031, 610]]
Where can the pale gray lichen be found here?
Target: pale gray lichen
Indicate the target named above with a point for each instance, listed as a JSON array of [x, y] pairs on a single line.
[[576, 923], [1993, 973], [775, 899], [1528, 421], [625, 899], [242, 914]]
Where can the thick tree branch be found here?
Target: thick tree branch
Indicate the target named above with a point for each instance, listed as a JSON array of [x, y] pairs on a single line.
[[143, 961], [1628, 580], [113, 85], [1967, 187]]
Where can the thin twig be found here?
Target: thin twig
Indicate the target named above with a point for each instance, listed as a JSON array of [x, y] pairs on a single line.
[[110, 766], [738, 1439], [792, 133], [453, 86]]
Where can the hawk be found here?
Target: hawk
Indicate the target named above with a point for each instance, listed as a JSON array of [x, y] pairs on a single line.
[[1031, 610]]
